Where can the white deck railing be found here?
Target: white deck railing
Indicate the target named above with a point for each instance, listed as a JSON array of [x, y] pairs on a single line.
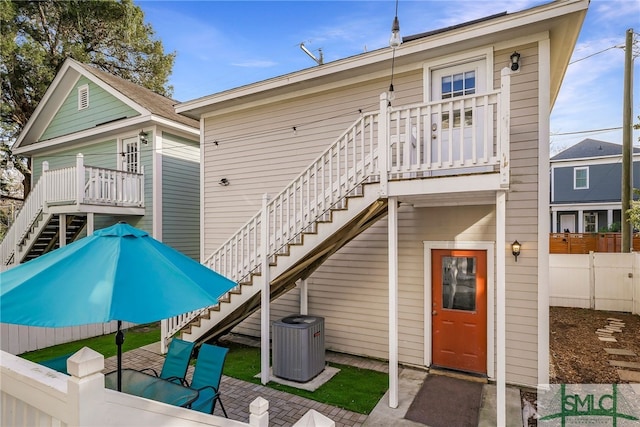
[[77, 185], [32, 394], [455, 136]]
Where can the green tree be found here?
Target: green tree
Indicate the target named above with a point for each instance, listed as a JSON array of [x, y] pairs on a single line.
[[37, 36]]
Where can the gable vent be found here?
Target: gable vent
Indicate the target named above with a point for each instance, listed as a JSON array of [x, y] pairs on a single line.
[[83, 97]]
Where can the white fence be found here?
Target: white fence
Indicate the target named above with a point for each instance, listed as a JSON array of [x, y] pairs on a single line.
[[32, 394], [17, 339], [601, 281]]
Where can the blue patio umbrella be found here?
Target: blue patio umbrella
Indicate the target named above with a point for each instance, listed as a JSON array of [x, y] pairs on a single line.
[[118, 273]]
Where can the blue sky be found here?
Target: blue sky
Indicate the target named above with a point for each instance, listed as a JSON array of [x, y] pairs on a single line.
[[224, 44]]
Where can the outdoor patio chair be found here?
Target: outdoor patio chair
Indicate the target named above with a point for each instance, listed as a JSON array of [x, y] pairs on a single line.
[[206, 378], [176, 362]]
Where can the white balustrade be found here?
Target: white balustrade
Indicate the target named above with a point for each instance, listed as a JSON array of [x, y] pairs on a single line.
[[75, 185], [452, 136]]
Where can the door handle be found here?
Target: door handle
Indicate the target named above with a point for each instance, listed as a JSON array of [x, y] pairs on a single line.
[[435, 313]]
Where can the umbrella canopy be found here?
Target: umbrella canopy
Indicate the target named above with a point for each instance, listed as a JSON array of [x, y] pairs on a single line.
[[118, 273]]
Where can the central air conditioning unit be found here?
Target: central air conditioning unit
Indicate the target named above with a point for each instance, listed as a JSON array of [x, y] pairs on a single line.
[[298, 347]]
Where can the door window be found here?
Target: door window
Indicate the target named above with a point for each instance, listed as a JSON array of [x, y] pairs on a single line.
[[131, 154], [590, 222], [459, 283]]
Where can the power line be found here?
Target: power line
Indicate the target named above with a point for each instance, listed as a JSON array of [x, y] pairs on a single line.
[[584, 131]]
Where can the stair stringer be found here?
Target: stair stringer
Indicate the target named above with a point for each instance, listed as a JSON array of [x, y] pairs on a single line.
[[299, 261], [32, 236]]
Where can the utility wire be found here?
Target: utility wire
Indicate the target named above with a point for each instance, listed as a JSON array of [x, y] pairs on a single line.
[[585, 131]]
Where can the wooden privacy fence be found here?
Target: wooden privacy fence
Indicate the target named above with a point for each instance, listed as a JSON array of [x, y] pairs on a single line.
[[583, 243]]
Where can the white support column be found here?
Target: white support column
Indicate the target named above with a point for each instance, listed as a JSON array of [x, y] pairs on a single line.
[[79, 179], [580, 221], [501, 252], [62, 230], [505, 127], [90, 223], [383, 144], [609, 217], [554, 221], [265, 293], [393, 301], [304, 297]]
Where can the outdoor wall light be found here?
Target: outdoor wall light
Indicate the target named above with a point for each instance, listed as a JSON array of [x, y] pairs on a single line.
[[515, 249], [224, 182], [515, 61], [143, 137]]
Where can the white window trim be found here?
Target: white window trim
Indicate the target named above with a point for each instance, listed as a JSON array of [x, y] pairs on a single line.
[[575, 187], [84, 89], [584, 222], [485, 54]]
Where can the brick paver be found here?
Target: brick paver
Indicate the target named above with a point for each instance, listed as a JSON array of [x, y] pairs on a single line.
[[284, 409]]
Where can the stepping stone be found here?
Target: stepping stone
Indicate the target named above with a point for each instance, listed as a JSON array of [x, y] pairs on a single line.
[[631, 376], [607, 339], [602, 330], [623, 364], [620, 351], [613, 319], [606, 334], [614, 330]]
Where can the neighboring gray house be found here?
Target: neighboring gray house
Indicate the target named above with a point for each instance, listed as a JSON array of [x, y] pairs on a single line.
[[103, 149], [586, 182]]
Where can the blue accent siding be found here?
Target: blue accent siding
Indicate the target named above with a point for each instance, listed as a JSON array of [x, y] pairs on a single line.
[[181, 194], [103, 108], [605, 182]]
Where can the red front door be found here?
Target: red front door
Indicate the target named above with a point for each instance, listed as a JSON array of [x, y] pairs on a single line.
[[459, 309]]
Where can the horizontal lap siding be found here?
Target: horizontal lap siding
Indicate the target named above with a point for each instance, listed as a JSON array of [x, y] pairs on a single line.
[[522, 219], [258, 151], [181, 194], [103, 107], [351, 289]]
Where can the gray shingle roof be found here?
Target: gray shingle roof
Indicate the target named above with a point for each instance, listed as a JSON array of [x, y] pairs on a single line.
[[588, 148], [157, 104]]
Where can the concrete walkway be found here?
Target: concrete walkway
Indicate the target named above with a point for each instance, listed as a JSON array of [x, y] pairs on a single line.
[[285, 409]]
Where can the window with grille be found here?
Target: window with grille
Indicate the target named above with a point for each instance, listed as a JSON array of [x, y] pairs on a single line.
[[83, 97], [131, 154], [581, 178]]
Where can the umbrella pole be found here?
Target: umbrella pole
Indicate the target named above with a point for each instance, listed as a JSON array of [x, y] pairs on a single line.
[[119, 341]]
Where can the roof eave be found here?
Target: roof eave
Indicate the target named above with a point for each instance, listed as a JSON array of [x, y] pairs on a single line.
[[482, 29]]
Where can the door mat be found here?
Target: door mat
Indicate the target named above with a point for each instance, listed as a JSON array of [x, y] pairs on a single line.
[[445, 401]]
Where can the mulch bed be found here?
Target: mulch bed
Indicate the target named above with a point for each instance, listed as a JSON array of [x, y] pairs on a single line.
[[576, 354]]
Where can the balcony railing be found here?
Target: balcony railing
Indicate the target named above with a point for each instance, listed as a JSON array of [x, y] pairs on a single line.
[[77, 185]]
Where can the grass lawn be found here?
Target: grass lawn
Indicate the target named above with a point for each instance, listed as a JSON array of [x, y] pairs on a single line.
[[354, 389], [135, 337]]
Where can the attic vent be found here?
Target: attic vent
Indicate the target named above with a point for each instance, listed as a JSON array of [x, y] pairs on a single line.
[[83, 97]]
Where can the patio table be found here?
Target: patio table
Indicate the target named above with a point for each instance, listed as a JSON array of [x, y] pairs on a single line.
[[150, 387]]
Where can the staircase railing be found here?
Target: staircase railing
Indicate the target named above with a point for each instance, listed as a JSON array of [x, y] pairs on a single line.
[[79, 184], [445, 137]]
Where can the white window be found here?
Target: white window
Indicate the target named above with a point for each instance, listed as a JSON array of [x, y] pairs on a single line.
[[590, 222], [131, 154], [83, 97], [581, 178]]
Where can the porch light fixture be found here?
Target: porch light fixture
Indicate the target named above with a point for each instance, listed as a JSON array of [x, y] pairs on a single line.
[[515, 249], [143, 137], [224, 182], [515, 61]]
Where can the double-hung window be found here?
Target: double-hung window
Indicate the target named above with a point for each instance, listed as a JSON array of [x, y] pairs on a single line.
[[581, 178]]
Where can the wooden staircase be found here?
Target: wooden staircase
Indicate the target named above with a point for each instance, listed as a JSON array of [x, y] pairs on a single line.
[[48, 238], [296, 260], [342, 193]]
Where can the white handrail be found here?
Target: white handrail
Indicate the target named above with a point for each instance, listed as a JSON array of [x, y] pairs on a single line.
[[426, 138], [60, 187]]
